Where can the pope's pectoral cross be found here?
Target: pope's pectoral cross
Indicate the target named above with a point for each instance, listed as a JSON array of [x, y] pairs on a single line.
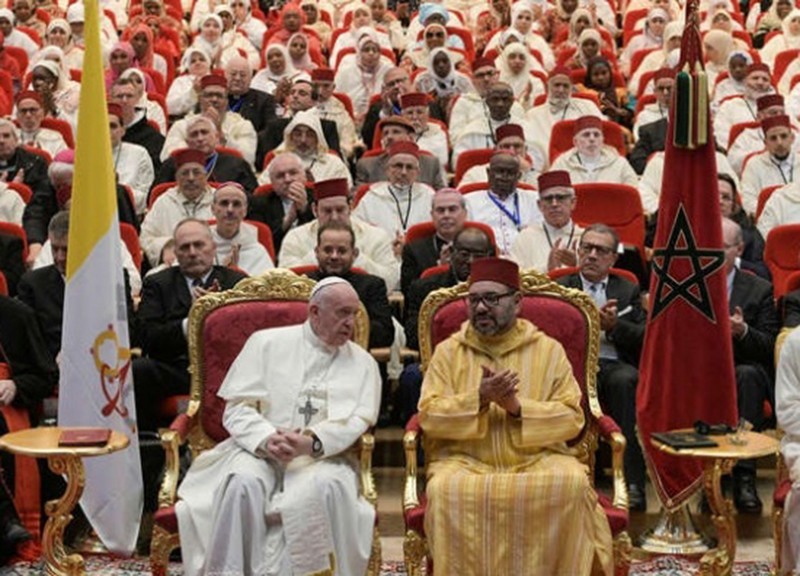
[[307, 410]]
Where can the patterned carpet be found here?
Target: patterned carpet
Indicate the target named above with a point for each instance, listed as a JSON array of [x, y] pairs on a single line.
[[664, 566]]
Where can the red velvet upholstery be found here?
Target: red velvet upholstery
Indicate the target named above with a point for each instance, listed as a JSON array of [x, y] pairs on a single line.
[[167, 519], [781, 492], [617, 517], [224, 333]]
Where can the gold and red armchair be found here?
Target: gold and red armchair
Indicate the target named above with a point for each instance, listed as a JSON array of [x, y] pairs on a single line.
[[570, 317], [219, 325]]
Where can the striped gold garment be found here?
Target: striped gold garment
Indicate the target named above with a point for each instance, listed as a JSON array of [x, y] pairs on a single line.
[[504, 494]]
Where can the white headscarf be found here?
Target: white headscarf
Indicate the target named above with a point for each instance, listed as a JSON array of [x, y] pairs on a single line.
[[519, 82]]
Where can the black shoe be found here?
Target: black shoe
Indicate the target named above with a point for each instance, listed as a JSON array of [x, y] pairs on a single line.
[[745, 496], [13, 534], [637, 501]]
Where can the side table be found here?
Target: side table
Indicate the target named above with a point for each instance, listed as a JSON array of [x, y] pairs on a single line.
[[66, 460], [718, 461]]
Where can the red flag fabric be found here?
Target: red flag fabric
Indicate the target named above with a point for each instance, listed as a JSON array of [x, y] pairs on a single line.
[[686, 370]]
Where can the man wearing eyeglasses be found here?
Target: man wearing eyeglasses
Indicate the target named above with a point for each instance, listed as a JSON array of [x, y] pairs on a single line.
[[553, 243], [30, 114], [510, 138], [622, 320], [499, 403], [235, 131]]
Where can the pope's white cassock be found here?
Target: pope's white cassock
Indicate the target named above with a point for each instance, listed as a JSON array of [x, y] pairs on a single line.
[[787, 409], [284, 378]]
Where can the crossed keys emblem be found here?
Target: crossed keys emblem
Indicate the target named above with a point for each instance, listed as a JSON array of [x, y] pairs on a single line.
[[112, 378]]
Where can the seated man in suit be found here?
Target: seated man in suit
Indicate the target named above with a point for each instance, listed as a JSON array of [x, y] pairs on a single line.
[[202, 135], [499, 404], [336, 251], [622, 320], [652, 138], [253, 105], [280, 496], [303, 96], [754, 325], [469, 243], [397, 129], [167, 297], [663, 83], [376, 252], [11, 263], [448, 213], [289, 205]]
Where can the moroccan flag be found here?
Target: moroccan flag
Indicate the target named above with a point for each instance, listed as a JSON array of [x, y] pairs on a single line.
[[686, 371], [96, 387]]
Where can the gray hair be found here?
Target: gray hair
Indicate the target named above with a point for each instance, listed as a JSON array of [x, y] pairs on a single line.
[[601, 228], [273, 166], [59, 225]]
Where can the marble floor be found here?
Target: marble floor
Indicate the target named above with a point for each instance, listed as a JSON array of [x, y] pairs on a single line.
[[754, 533]]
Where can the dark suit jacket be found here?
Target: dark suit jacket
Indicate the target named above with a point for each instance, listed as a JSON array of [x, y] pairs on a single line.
[[374, 116], [754, 296], [254, 105], [373, 169], [791, 309], [165, 303], [11, 263], [418, 256], [33, 369], [228, 168], [43, 291], [652, 138], [269, 210], [272, 136], [143, 134], [628, 334], [417, 292], [371, 291], [44, 206]]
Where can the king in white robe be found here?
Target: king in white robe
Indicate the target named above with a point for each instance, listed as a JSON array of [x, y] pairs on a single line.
[[284, 378]]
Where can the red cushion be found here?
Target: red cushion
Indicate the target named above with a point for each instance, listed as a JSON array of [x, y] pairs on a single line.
[[617, 517], [173, 405], [166, 519], [779, 496], [225, 331], [415, 517]]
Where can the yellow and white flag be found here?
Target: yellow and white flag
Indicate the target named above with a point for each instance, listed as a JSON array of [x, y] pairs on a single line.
[[96, 387]]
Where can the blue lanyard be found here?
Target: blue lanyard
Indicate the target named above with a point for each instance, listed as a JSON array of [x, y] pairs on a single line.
[[211, 162], [515, 218], [236, 105]]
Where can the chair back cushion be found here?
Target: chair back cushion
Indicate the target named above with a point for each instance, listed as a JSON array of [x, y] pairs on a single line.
[[225, 332]]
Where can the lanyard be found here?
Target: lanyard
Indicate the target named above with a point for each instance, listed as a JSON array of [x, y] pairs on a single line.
[[550, 241], [236, 105], [403, 221], [514, 217], [783, 176], [211, 163]]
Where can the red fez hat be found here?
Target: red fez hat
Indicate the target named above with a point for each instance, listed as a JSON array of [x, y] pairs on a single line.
[[586, 122], [758, 67], [559, 71], [331, 189], [322, 75], [495, 270], [29, 95], [413, 99], [482, 62], [508, 130], [773, 121], [396, 121], [188, 155], [213, 80], [114, 109], [554, 178], [662, 73], [768, 101], [404, 148]]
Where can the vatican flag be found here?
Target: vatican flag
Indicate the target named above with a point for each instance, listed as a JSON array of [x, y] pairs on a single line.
[[96, 387]]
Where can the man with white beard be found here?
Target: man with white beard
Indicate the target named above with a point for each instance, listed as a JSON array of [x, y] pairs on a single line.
[[742, 108]]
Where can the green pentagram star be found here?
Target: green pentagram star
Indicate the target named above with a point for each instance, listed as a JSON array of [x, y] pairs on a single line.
[[693, 289]]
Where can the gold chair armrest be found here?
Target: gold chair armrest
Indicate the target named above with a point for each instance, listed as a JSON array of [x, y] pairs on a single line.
[[171, 442], [617, 443], [410, 493], [367, 446]]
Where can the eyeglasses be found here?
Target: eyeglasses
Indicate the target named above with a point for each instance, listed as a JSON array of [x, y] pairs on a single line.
[[467, 252], [489, 299], [557, 198], [27, 110], [586, 248], [434, 35]]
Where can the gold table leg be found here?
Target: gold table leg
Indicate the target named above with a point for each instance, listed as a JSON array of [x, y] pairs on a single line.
[[59, 514], [719, 562]]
